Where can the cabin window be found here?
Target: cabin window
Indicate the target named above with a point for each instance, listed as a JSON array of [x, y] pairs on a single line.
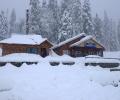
[[67, 52], [90, 45], [91, 53], [78, 53], [32, 50]]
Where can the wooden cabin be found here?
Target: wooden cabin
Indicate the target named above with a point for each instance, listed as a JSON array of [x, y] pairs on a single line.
[[80, 46], [33, 44]]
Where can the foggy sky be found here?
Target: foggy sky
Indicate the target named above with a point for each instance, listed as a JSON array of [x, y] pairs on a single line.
[[111, 6]]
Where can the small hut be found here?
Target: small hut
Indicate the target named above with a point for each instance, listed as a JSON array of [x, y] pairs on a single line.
[[33, 44]]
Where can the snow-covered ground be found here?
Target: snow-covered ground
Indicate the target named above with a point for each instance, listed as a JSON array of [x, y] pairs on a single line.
[[115, 54], [63, 82]]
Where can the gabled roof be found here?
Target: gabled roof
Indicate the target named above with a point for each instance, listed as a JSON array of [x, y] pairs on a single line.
[[86, 39], [82, 40], [24, 39], [69, 40]]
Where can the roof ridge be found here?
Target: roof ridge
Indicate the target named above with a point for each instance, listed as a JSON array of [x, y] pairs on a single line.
[[82, 40], [69, 40]]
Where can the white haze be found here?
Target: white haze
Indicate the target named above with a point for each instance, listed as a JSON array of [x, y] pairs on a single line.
[[111, 6]]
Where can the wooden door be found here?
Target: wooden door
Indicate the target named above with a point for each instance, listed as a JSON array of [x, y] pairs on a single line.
[[44, 52]]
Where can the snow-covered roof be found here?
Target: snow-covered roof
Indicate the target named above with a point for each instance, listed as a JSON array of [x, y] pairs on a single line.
[[82, 40], [86, 39], [24, 39], [69, 40]]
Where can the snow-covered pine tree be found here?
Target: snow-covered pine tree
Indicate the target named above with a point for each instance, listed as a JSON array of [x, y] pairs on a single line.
[[106, 31], [118, 33], [66, 31], [76, 12], [71, 19], [12, 21], [3, 26], [35, 17], [87, 18], [66, 28], [64, 5], [45, 19], [44, 3], [54, 20], [113, 36], [21, 27], [98, 25]]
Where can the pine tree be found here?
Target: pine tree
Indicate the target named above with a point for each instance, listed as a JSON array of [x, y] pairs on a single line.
[[113, 36], [44, 4], [54, 20], [87, 18], [20, 27], [3, 26], [12, 21], [35, 17], [64, 5], [45, 19], [118, 33], [71, 19], [106, 31], [66, 27], [98, 25], [76, 12]]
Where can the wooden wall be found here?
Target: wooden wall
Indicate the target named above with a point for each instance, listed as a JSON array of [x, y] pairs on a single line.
[[22, 48], [85, 51]]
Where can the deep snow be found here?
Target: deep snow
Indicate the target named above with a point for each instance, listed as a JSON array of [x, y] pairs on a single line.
[[45, 82]]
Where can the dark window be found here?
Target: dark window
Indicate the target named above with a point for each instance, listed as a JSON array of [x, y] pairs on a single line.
[[78, 53], [67, 52], [90, 45], [32, 50]]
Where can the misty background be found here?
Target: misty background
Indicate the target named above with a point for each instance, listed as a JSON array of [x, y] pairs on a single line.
[[111, 6]]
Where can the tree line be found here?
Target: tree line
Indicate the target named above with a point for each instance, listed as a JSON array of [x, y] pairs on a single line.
[[60, 21]]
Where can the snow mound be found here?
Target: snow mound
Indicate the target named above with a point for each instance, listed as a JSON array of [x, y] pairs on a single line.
[[101, 60], [64, 58], [21, 57], [92, 56]]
